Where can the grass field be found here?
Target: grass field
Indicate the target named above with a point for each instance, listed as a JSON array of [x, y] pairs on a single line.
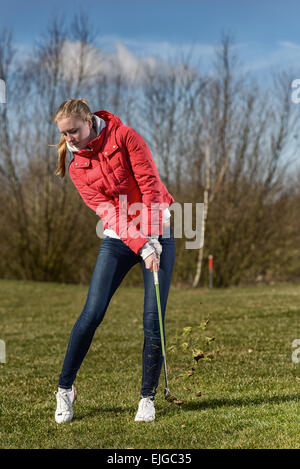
[[249, 384]]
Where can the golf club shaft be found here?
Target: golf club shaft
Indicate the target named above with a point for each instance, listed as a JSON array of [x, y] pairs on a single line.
[[156, 283]]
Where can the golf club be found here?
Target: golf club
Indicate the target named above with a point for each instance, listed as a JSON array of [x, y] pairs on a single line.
[[168, 395]]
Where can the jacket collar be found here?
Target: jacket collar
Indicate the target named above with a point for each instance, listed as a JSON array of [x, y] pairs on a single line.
[[107, 130]]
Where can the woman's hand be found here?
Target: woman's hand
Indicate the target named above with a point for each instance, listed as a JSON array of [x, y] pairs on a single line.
[[152, 262]]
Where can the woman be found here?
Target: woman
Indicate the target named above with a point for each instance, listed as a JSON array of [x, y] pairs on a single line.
[[112, 164]]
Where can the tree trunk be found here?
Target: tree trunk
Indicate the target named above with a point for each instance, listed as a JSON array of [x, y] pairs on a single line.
[[205, 211]]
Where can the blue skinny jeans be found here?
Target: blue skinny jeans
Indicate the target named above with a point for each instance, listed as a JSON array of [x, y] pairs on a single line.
[[114, 260]]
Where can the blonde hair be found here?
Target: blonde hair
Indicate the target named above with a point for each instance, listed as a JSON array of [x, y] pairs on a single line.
[[71, 108]]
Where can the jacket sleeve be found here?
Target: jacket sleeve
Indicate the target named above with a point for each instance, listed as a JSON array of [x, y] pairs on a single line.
[[111, 216], [148, 180]]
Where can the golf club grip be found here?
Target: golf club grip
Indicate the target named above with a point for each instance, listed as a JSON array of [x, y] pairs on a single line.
[[155, 275]]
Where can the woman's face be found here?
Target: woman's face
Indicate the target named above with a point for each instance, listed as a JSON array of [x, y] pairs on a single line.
[[76, 131]]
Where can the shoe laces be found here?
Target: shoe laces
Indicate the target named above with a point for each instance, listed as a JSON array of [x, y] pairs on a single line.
[[63, 401], [147, 402]]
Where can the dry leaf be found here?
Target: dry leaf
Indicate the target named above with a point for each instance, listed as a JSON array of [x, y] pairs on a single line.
[[198, 354], [204, 324], [186, 330], [209, 339]]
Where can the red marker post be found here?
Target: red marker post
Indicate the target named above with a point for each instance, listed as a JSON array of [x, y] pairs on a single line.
[[210, 269]]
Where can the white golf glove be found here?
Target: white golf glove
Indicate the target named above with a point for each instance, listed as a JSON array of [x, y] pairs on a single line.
[[152, 246], [156, 245]]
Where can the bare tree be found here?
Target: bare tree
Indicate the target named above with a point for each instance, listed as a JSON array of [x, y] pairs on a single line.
[[205, 213], [46, 210], [216, 110]]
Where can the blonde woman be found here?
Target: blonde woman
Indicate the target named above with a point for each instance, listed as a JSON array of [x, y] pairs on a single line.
[[111, 160]]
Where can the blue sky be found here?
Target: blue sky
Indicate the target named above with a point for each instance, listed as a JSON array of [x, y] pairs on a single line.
[[263, 21], [266, 32]]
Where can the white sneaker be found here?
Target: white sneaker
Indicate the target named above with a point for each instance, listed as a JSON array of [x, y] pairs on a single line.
[[146, 410], [64, 411]]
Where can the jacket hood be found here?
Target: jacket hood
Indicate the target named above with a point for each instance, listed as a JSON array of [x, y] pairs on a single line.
[[109, 117]]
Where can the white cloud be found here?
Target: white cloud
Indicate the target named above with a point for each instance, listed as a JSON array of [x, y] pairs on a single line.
[[121, 59], [133, 59], [73, 57], [129, 65], [290, 45], [285, 55], [162, 51]]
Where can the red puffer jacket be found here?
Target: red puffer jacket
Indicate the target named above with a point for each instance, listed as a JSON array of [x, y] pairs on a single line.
[[118, 162]]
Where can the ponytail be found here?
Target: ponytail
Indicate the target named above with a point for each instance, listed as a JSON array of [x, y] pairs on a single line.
[[62, 152]]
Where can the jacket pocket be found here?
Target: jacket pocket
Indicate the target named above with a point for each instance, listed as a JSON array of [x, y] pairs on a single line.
[[117, 169], [93, 175], [96, 179], [120, 180]]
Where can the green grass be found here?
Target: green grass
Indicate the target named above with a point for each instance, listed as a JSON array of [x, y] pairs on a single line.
[[250, 389]]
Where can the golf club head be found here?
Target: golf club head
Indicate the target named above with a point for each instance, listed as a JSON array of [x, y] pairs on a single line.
[[171, 398]]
